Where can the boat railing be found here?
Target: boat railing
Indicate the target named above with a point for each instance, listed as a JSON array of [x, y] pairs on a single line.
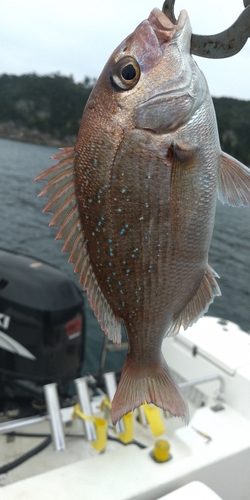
[[205, 380]]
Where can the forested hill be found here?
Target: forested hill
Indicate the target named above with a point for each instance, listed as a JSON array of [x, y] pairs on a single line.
[[47, 110], [42, 109], [233, 118]]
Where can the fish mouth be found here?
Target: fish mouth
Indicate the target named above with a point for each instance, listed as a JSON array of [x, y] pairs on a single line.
[[163, 27]]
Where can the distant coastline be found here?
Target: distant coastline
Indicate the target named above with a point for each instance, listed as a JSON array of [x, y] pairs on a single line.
[[43, 110], [12, 131], [47, 110]]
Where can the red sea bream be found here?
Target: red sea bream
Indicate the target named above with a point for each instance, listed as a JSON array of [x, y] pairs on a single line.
[[135, 202]]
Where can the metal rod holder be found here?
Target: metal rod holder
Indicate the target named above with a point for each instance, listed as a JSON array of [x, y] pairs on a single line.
[[142, 417], [84, 401], [110, 383], [53, 407]]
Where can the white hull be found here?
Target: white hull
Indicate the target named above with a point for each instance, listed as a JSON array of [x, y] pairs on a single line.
[[214, 448]]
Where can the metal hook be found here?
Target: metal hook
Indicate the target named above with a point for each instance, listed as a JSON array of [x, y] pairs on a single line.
[[168, 10], [224, 44]]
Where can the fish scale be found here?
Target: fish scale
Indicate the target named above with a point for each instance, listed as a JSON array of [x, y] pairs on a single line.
[[135, 202]]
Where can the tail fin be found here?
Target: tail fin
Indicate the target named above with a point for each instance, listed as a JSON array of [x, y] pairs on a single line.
[[154, 384]]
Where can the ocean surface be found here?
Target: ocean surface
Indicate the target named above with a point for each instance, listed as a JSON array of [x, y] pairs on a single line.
[[25, 228]]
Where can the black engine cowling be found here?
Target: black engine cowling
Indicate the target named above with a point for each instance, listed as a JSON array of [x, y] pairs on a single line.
[[42, 322]]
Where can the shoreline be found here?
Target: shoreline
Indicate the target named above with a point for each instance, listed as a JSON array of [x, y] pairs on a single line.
[[23, 134]]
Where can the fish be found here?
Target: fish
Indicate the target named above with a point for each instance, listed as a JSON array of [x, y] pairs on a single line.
[[135, 202]]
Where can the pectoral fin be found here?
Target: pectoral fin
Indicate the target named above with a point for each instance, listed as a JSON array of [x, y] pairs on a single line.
[[233, 182]]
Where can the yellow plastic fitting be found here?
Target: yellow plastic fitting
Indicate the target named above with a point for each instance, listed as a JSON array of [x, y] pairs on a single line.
[[161, 452]]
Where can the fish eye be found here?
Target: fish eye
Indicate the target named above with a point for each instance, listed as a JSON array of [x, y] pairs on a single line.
[[125, 73]]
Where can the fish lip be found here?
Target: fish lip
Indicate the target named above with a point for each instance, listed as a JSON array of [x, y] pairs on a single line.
[[163, 27], [172, 30], [182, 19]]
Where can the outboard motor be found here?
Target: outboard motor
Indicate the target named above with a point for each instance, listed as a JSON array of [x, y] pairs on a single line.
[[42, 325]]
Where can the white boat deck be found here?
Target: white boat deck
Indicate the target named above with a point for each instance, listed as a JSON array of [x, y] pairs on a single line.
[[214, 448]]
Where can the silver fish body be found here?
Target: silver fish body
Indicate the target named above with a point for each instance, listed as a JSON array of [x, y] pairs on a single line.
[[136, 202]]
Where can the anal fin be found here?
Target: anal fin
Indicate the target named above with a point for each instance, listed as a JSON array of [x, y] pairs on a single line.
[[199, 303]]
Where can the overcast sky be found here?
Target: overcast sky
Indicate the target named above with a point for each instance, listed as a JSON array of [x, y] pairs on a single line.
[[76, 37]]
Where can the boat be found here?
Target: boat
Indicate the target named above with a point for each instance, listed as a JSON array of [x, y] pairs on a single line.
[[149, 454]]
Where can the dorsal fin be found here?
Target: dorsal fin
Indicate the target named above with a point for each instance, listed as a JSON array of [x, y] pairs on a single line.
[[61, 192]]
